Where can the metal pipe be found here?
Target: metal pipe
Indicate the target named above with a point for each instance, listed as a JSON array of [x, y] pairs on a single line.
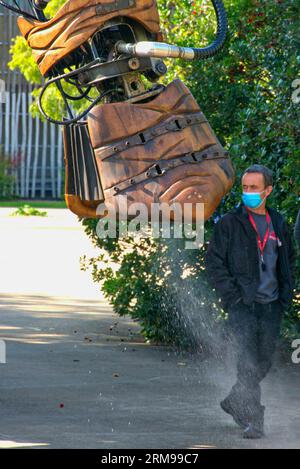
[[162, 50], [156, 49]]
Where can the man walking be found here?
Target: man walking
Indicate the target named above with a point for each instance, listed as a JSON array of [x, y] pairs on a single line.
[[250, 262]]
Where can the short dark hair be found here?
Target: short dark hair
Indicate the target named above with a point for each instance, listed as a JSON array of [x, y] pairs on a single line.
[[266, 172]]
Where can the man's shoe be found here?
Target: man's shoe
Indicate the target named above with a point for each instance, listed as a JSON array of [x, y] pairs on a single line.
[[228, 407], [252, 432], [255, 429]]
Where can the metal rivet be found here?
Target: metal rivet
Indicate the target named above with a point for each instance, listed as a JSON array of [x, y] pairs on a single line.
[[134, 63]]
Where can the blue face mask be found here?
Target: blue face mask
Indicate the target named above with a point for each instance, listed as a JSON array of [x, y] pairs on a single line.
[[252, 199]]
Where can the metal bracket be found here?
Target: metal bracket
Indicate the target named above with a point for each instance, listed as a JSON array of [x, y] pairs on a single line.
[[155, 171], [104, 8]]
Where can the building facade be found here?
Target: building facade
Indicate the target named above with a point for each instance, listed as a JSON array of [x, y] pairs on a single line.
[[33, 148]]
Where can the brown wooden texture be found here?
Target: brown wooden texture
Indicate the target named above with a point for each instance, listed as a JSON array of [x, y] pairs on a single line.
[[74, 23], [80, 207], [112, 126]]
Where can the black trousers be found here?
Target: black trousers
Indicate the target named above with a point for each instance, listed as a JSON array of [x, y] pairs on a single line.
[[254, 330]]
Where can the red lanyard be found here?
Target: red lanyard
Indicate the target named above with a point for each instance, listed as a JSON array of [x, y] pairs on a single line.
[[261, 244]]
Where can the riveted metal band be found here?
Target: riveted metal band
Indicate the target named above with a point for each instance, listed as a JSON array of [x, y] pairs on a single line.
[[141, 138], [160, 167]]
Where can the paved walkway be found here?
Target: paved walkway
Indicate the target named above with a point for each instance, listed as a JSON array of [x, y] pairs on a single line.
[[78, 376]]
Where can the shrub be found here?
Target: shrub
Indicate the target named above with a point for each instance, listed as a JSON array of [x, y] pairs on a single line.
[[6, 178], [28, 211]]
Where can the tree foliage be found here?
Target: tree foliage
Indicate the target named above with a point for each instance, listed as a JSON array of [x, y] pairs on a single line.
[[246, 93]]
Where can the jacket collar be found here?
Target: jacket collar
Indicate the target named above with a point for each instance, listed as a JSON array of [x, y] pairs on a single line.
[[241, 212], [242, 215]]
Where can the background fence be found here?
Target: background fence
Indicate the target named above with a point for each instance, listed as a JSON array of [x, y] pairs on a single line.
[[34, 148]]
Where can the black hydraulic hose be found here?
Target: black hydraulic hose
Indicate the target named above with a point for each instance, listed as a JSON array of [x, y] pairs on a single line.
[[222, 22], [163, 50], [38, 8], [56, 81], [74, 119], [17, 10]]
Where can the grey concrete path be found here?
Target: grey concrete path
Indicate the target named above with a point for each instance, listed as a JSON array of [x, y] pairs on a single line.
[[78, 376]]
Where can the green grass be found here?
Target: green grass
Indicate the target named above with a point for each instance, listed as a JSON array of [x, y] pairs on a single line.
[[33, 203], [28, 211]]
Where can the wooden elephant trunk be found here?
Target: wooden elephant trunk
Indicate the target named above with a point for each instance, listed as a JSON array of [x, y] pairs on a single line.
[[159, 151]]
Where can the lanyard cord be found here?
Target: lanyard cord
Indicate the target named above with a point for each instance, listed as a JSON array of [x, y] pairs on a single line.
[[261, 244]]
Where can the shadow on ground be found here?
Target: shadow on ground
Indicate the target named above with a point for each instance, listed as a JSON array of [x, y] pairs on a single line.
[[78, 376]]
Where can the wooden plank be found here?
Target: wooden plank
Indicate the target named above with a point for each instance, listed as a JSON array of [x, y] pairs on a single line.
[[43, 163], [52, 159], [36, 155], [59, 162], [14, 149], [7, 123], [23, 145], [29, 144]]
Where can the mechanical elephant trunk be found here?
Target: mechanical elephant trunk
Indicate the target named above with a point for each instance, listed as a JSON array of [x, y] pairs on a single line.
[[136, 139]]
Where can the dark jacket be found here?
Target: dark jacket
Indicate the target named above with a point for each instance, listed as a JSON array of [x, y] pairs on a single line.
[[232, 262], [297, 230]]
